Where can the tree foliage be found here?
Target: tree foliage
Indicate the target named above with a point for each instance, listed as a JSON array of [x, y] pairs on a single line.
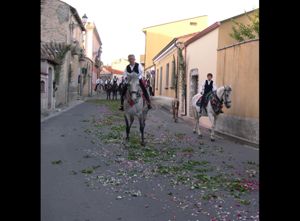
[[59, 60], [243, 32]]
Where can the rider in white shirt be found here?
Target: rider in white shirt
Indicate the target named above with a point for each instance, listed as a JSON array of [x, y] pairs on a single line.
[[208, 86], [97, 83], [137, 68]]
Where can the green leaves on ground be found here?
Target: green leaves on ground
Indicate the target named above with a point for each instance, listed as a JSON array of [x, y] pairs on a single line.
[[90, 170], [56, 162], [113, 105]]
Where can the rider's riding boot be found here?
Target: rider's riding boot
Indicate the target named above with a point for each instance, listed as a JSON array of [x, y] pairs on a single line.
[[145, 93], [201, 107], [122, 97], [122, 104]]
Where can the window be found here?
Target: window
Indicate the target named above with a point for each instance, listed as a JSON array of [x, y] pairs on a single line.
[[173, 74], [167, 76], [193, 23], [157, 79], [42, 86], [160, 81]]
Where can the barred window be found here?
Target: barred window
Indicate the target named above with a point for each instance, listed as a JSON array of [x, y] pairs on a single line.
[[173, 74], [167, 76], [157, 79], [42, 86]]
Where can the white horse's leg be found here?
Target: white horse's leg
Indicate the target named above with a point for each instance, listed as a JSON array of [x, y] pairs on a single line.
[[142, 126], [198, 125], [212, 120], [127, 127], [196, 118]]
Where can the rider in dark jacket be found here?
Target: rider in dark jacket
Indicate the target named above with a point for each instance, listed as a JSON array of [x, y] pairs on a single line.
[[208, 86], [134, 67]]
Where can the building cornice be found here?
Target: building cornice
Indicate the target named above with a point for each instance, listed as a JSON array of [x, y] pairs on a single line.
[[166, 52], [239, 43]]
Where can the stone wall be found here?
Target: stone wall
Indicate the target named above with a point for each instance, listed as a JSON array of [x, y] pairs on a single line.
[[238, 66], [241, 127], [55, 20], [56, 17]]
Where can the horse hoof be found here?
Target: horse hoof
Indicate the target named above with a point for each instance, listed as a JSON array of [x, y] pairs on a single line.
[[143, 144], [194, 131], [200, 135], [212, 139]]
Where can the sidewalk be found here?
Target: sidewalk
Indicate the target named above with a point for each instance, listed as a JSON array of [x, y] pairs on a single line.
[[166, 104], [45, 115]]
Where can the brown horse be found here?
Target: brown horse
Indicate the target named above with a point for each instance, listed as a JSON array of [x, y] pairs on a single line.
[[175, 107]]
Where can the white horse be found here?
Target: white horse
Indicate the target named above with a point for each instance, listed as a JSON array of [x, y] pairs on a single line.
[[223, 95], [134, 105]]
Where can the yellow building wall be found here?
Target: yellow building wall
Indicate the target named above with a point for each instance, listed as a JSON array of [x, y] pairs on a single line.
[[226, 28], [142, 58], [167, 90], [201, 55], [238, 66], [157, 37]]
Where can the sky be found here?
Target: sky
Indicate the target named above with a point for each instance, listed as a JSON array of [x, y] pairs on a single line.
[[120, 22]]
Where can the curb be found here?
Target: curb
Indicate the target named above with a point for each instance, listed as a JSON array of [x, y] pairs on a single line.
[[220, 133], [60, 112]]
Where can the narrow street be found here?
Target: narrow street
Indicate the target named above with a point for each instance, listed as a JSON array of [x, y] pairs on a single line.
[[89, 173]]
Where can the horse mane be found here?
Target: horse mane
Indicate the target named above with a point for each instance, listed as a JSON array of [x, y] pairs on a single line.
[[132, 75]]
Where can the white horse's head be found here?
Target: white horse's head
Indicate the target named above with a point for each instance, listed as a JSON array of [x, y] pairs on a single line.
[[224, 94], [133, 89]]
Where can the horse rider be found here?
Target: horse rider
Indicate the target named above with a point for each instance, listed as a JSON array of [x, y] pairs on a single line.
[[97, 83], [101, 83], [208, 86], [137, 68], [115, 80], [121, 84], [108, 81]]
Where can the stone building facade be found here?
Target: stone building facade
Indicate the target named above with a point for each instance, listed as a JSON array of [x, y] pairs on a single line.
[[93, 49], [61, 46]]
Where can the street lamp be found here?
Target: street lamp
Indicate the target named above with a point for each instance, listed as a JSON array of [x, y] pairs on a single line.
[[84, 19], [179, 45]]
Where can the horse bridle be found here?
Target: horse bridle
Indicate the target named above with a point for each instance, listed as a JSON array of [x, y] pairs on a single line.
[[226, 102]]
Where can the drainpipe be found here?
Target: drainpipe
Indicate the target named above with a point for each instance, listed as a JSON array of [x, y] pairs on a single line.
[[177, 71], [185, 86], [90, 80], [153, 89]]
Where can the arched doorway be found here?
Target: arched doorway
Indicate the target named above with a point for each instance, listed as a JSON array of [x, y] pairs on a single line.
[[80, 85], [50, 87], [193, 86]]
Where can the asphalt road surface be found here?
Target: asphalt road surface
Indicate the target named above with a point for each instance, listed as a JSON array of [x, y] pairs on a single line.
[[89, 173]]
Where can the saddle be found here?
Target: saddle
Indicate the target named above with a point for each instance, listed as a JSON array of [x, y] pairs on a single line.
[[205, 100], [216, 104]]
